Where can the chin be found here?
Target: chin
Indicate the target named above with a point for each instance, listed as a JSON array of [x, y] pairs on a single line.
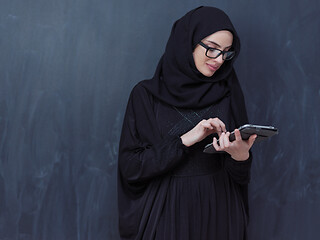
[[210, 74], [206, 72]]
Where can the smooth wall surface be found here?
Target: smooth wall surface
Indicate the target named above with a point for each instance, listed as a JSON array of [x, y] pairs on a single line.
[[66, 70]]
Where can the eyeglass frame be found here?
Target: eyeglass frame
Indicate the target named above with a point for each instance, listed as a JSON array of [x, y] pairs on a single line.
[[220, 52]]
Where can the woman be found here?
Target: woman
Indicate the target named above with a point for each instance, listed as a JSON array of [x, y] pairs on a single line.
[[167, 187]]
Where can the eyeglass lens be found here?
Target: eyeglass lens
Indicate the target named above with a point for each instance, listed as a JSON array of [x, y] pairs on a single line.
[[214, 53]]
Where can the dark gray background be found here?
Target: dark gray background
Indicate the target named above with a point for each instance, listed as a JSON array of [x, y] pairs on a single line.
[[66, 70]]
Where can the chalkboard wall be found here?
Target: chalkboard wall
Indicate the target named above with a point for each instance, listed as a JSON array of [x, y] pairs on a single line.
[[66, 70]]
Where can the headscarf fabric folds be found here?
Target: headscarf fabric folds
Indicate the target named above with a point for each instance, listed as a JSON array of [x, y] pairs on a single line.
[[177, 81]]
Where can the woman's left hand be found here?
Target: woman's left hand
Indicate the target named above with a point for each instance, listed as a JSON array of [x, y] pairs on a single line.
[[238, 149]]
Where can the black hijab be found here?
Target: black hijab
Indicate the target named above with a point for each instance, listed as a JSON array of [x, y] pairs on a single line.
[[177, 81]]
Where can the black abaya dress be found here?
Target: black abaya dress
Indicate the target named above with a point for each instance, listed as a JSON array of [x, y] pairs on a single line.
[[168, 191]]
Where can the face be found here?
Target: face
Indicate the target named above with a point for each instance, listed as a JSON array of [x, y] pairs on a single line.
[[221, 40]]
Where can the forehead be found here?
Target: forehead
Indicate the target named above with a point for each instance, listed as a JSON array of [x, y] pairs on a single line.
[[223, 38]]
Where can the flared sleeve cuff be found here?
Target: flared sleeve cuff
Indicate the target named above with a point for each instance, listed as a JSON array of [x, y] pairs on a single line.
[[151, 161], [239, 170]]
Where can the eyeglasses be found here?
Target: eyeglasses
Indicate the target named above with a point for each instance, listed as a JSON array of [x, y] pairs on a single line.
[[214, 52]]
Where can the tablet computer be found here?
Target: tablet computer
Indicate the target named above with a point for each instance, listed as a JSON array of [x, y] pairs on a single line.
[[246, 131]]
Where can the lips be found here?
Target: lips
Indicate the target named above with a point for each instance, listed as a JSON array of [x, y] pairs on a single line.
[[212, 67]]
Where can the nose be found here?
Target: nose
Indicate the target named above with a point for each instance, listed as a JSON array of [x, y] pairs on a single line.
[[219, 59]]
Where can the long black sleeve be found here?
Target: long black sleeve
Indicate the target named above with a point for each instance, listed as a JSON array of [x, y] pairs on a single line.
[[143, 153], [239, 170], [144, 163]]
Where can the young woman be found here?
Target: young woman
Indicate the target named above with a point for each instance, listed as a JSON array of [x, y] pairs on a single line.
[[168, 188]]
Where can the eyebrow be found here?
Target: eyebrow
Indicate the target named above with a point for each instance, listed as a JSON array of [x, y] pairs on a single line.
[[217, 44]]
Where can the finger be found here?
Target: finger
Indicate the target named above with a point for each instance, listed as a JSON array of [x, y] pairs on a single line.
[[220, 132], [218, 124], [237, 135], [215, 124], [207, 124], [226, 141], [221, 140], [222, 125], [215, 144], [251, 140]]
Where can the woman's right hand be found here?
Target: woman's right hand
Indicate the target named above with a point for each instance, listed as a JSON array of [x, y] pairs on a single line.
[[203, 129]]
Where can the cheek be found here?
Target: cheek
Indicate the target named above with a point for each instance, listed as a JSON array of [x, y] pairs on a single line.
[[194, 57], [197, 58]]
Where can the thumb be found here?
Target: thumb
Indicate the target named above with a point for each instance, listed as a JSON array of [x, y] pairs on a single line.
[[252, 139]]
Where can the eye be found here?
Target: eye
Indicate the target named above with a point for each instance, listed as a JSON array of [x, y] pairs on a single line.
[[213, 52]]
